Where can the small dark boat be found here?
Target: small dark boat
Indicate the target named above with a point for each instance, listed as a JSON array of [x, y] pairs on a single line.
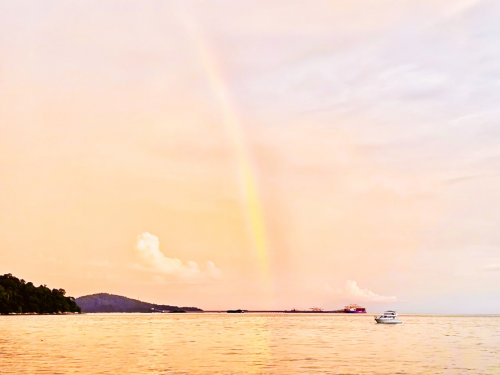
[[235, 311]]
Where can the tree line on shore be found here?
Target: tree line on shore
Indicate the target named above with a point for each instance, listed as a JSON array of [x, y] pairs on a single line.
[[18, 296]]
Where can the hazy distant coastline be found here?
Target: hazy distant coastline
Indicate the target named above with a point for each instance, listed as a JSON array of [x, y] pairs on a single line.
[[108, 303]]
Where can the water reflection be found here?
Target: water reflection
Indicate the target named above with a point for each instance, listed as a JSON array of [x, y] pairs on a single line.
[[247, 344]]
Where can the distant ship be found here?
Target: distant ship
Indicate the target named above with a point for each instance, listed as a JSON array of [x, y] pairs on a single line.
[[354, 309]]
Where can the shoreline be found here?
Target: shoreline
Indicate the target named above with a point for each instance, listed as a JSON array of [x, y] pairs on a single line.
[[34, 313]]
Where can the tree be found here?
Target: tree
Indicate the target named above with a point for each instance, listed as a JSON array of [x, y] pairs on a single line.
[[17, 296]]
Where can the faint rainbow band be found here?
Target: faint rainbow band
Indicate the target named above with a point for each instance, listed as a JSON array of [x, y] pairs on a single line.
[[252, 202]]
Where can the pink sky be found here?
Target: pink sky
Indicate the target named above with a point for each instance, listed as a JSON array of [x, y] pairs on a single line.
[[253, 154]]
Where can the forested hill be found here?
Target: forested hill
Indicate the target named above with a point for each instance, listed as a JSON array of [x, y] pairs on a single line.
[[104, 302], [18, 296]]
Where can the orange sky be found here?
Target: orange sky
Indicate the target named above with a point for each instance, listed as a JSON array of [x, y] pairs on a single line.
[[253, 154]]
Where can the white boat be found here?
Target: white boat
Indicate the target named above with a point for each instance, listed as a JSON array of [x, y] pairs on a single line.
[[389, 317]]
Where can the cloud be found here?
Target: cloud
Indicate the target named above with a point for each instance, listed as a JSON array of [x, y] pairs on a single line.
[[352, 290], [151, 258], [492, 267]]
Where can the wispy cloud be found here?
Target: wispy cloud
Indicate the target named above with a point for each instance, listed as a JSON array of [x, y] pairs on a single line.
[[151, 258], [492, 267]]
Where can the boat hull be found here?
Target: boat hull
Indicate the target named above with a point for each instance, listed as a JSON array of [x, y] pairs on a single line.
[[388, 321]]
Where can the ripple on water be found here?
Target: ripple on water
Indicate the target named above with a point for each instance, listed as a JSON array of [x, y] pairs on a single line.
[[247, 344]]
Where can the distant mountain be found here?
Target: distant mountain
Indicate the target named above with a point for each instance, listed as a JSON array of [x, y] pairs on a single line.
[[104, 302]]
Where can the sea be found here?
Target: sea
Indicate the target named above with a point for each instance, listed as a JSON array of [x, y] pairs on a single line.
[[206, 343]]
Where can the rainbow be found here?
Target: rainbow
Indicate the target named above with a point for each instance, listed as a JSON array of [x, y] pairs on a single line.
[[251, 198]]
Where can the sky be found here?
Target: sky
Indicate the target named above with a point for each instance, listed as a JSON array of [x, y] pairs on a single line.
[[254, 154]]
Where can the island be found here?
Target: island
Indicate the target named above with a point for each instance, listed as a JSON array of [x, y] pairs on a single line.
[[20, 297], [107, 303]]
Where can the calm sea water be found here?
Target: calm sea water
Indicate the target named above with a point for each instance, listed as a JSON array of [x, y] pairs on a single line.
[[247, 344]]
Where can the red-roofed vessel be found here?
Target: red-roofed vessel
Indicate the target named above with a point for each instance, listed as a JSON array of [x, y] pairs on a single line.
[[354, 309]]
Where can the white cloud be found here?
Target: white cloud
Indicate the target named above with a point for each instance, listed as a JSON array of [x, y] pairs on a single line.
[[351, 288], [352, 291], [151, 258]]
